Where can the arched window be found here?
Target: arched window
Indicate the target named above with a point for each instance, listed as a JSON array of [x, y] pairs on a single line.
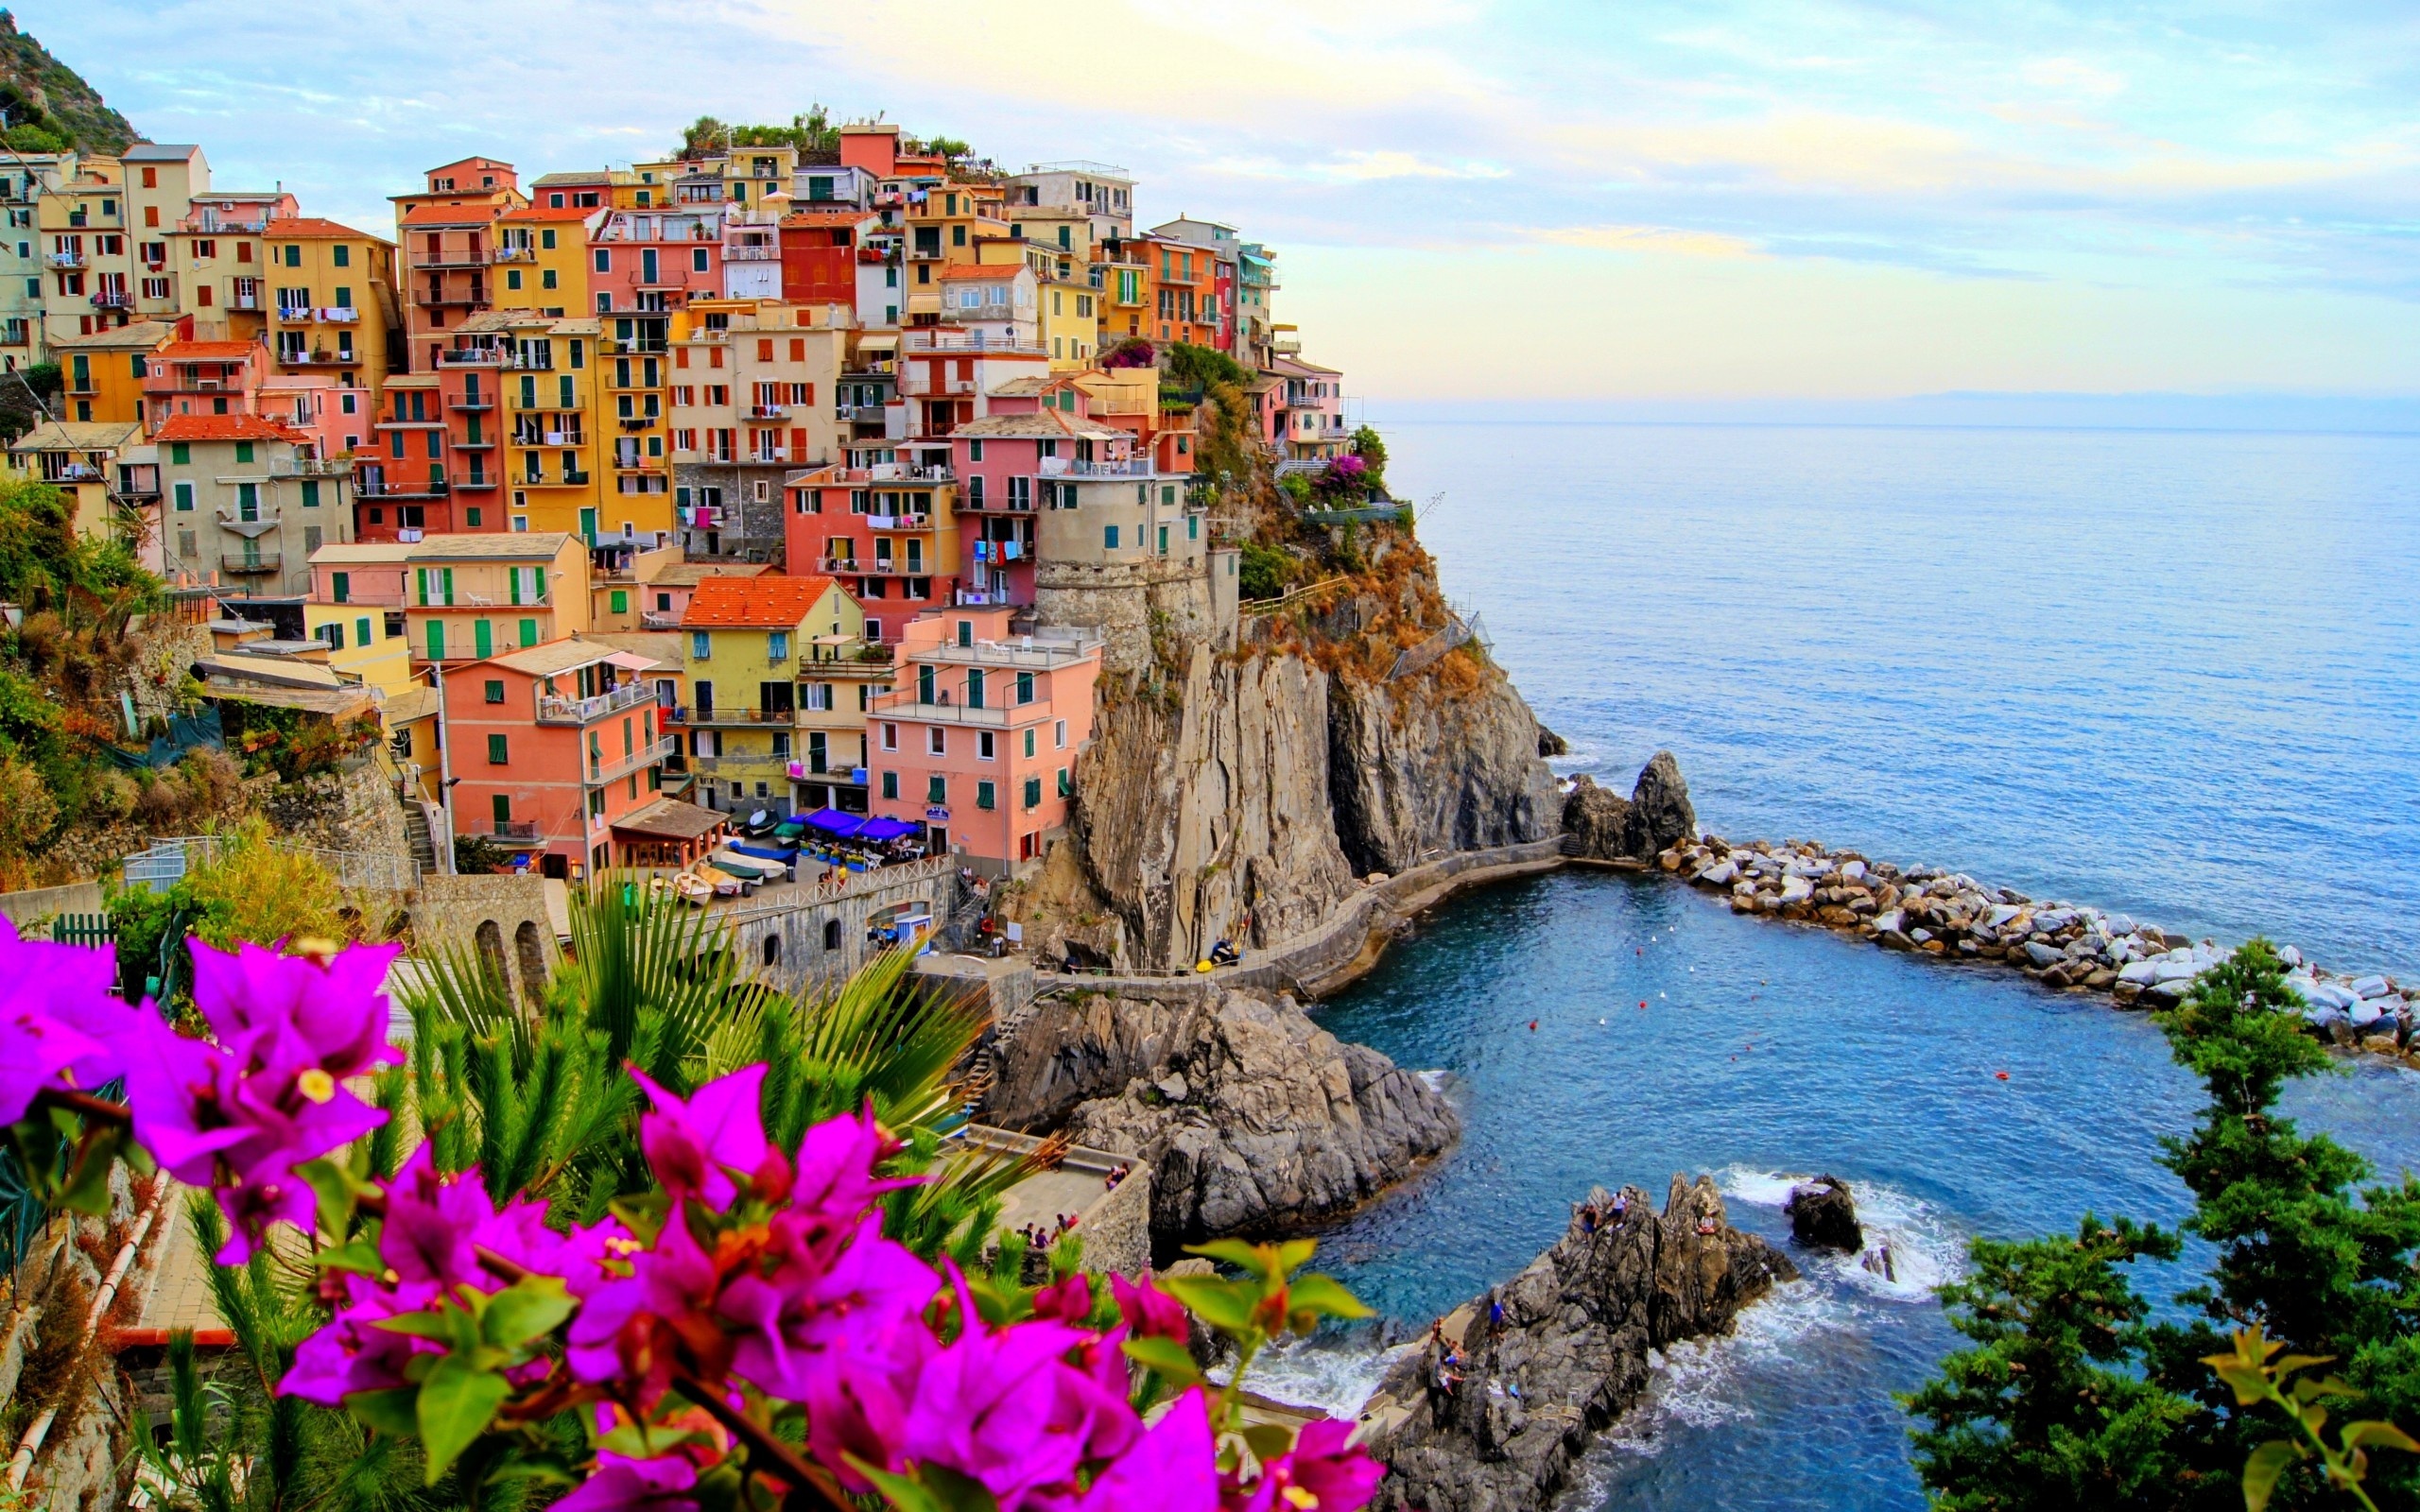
[[773, 949], [831, 934], [489, 938], [532, 957]]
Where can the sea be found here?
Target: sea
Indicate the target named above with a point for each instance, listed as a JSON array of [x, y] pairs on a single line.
[[2171, 672]]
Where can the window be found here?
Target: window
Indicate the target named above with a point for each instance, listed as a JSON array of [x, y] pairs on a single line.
[[889, 737], [937, 789], [1033, 792], [621, 601], [891, 786], [310, 493], [1058, 734], [604, 260], [701, 646], [342, 258], [494, 690], [1025, 690], [983, 796], [180, 452], [332, 632], [1066, 788], [1028, 744], [1109, 538], [777, 645], [361, 630], [529, 633], [242, 452], [697, 260], [984, 746], [184, 498], [497, 755]]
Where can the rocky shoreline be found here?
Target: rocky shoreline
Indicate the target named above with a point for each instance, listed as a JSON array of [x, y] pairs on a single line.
[[1954, 917]]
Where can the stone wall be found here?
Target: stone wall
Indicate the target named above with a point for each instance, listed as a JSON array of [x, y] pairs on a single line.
[[1130, 603], [35, 904], [790, 940], [511, 922], [354, 810]]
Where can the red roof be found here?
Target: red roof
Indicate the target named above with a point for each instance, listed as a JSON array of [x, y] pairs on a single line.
[[982, 272], [209, 350], [311, 227], [551, 212], [767, 602], [225, 428], [475, 212]]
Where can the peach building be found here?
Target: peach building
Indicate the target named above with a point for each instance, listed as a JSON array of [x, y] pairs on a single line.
[[978, 739], [550, 745]]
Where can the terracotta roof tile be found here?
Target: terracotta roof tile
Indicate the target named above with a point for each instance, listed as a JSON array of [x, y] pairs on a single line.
[[767, 602], [311, 227], [211, 350], [226, 428], [982, 272]]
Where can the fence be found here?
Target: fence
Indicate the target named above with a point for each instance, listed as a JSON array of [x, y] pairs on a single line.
[[168, 861], [83, 929], [1290, 597], [1458, 631]]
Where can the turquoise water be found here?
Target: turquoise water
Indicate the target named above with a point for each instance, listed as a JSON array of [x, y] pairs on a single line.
[[2170, 674]]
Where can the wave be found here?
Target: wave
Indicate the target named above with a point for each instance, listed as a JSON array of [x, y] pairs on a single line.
[[1337, 1376], [1925, 1251]]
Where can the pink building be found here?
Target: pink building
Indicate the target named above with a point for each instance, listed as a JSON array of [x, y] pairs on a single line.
[[337, 418], [649, 262], [203, 378], [360, 573], [1311, 402], [1009, 466], [979, 742]]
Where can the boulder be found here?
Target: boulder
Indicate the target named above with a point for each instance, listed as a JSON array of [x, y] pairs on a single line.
[[1492, 1414], [1251, 1116], [1823, 1215], [1608, 827]]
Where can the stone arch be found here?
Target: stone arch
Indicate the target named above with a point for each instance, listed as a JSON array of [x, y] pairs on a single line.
[[773, 949], [490, 940], [831, 934], [532, 953]]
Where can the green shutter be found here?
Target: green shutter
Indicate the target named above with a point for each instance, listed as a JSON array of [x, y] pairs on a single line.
[[180, 452], [514, 575], [983, 796], [529, 632], [496, 751], [343, 585], [310, 493], [361, 630], [936, 789], [621, 601], [483, 637], [449, 586], [1033, 792], [244, 451], [436, 639]]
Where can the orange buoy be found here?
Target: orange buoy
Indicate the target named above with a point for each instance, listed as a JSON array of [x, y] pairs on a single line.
[[2001, 1074], [1533, 1025]]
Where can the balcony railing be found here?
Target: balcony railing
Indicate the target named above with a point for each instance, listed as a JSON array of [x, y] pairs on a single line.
[[879, 567], [471, 357], [1130, 467], [309, 467], [339, 315], [646, 755], [243, 301], [64, 259], [523, 832], [471, 402], [738, 714], [752, 255], [906, 707], [769, 411], [404, 488], [558, 711], [515, 254], [964, 342], [899, 522], [266, 561], [112, 299]]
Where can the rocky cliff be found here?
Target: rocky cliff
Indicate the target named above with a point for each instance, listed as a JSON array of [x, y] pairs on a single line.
[[1497, 1427], [1236, 795], [1604, 826], [1251, 1117]]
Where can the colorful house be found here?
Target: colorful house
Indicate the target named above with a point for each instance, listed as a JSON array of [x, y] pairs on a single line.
[[473, 595], [979, 742], [1010, 466], [891, 535], [752, 391], [445, 237], [356, 606], [215, 263], [102, 375], [203, 378], [407, 488], [549, 747], [752, 646], [1313, 401], [334, 300], [244, 503], [541, 251], [106, 470]]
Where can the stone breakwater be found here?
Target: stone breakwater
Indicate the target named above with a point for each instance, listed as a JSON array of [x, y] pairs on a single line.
[[1952, 916]]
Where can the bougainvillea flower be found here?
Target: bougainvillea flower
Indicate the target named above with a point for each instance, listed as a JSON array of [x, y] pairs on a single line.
[[636, 1327], [1069, 1300], [349, 1352], [621, 1485], [1150, 1312], [795, 1314], [1171, 1469], [834, 1176], [694, 1145], [1003, 1407], [55, 1016], [432, 1219], [293, 1012], [1321, 1473]]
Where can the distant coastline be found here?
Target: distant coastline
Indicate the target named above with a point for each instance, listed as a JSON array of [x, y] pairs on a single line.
[[2234, 414]]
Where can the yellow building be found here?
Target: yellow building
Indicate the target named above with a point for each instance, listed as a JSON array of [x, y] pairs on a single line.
[[108, 472], [561, 384], [542, 253], [365, 641], [101, 373], [219, 264], [334, 301], [469, 596], [754, 666], [618, 595]]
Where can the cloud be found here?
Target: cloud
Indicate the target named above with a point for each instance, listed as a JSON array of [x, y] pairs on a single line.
[[1670, 240], [1359, 167], [2073, 75]]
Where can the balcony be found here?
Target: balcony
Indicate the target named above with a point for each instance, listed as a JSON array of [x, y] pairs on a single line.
[[309, 467], [112, 299], [243, 301], [515, 255], [479, 295], [880, 567], [558, 711], [752, 255], [64, 259], [339, 315], [266, 561], [645, 756], [738, 717], [471, 357], [905, 706], [505, 832], [404, 488], [769, 411], [899, 522], [213, 225], [965, 341], [475, 443], [469, 403], [1042, 656], [475, 257], [526, 438], [637, 423], [1130, 467], [573, 479]]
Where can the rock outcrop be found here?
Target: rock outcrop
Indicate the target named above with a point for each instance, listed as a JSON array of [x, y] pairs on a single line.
[[1251, 1117], [1608, 827], [1823, 1215], [1490, 1414], [1415, 772]]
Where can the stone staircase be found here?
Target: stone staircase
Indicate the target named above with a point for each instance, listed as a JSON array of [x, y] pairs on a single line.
[[416, 828]]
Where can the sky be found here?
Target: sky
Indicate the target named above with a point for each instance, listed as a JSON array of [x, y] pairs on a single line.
[[1519, 205]]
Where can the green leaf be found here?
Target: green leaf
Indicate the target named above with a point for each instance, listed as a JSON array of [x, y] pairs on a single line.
[[1252, 1258], [337, 1191], [1268, 1440], [551, 1470], [1166, 1358], [424, 1325], [358, 1255], [1294, 1254], [1324, 1296], [389, 1412], [2375, 1434], [87, 1188], [2261, 1470], [456, 1402], [528, 1308], [1225, 1305], [932, 1488]]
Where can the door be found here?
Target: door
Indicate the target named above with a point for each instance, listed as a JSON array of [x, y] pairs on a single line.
[[436, 639], [483, 637], [588, 526], [936, 841], [646, 265], [502, 803]]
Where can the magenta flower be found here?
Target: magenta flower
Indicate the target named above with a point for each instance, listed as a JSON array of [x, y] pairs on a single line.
[[1173, 1468], [695, 1145], [628, 1325], [292, 1013], [1320, 1472], [1150, 1312], [622, 1485], [1066, 1301], [350, 1354], [800, 1318], [55, 1016]]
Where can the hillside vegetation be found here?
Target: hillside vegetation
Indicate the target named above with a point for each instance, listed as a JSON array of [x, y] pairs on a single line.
[[50, 107]]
